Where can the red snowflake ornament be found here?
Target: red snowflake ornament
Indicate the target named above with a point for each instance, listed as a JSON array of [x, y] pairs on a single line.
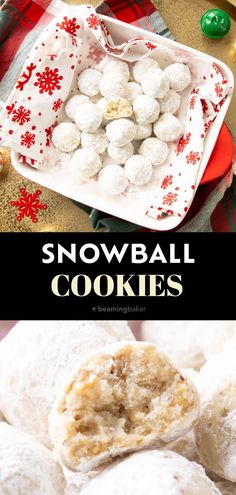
[[21, 115], [57, 105], [27, 139], [167, 181], [69, 25], [93, 22], [170, 198], [193, 157], [48, 81], [184, 140], [28, 205]]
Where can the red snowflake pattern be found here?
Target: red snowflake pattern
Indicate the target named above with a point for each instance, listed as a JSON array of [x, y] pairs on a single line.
[[193, 157], [28, 205], [27, 74], [184, 140], [204, 106], [21, 115], [96, 54], [167, 181], [216, 68], [69, 25], [150, 46], [57, 105], [48, 133], [192, 102], [93, 22], [48, 80], [111, 49], [195, 91], [170, 198], [218, 90], [208, 125], [10, 108], [104, 28], [27, 139]]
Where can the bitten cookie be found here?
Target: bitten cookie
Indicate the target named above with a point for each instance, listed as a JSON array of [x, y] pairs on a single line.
[[35, 358], [26, 466], [125, 397], [152, 472]]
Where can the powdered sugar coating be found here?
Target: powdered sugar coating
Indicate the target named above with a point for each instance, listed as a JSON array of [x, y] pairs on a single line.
[[26, 466], [168, 127], [96, 140], [153, 472], [170, 103], [121, 132], [73, 103], [143, 131], [117, 66], [88, 117], [120, 154], [36, 356], [66, 137], [179, 76], [113, 86], [102, 104], [133, 90], [146, 109], [112, 180], [85, 163], [88, 82], [155, 150], [139, 170], [142, 66], [155, 83]]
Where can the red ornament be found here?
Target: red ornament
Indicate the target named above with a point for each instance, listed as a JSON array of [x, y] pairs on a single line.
[[28, 205], [48, 80]]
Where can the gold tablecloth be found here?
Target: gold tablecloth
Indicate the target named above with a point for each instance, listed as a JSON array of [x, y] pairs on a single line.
[[182, 18]]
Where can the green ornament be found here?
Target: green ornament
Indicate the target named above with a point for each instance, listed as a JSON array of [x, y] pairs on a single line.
[[215, 23]]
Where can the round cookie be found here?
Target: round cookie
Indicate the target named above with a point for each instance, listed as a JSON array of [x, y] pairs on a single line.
[[133, 91], [121, 132], [179, 76], [35, 358], [146, 109], [113, 85], [168, 127], [74, 103], [170, 103], [138, 170], [125, 397], [26, 466], [66, 137], [115, 65], [155, 83], [143, 132], [142, 66], [120, 154], [112, 180], [88, 82], [154, 150], [96, 140], [85, 163], [89, 117]]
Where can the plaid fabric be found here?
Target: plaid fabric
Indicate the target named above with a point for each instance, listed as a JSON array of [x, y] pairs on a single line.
[[21, 21]]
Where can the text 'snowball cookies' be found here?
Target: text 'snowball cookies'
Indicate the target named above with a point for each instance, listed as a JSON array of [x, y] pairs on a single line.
[[66, 137], [146, 109], [155, 83], [170, 103], [216, 431], [112, 180], [26, 466], [96, 140], [179, 76], [35, 358], [121, 132], [113, 86], [138, 170], [120, 154], [168, 127], [85, 163], [88, 117], [152, 472], [125, 397], [88, 82], [142, 66], [155, 150], [74, 103]]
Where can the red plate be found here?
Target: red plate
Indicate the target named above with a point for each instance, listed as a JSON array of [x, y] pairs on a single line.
[[221, 157]]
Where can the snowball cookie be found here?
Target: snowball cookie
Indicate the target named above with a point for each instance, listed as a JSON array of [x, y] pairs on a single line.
[[155, 83], [35, 358], [26, 466], [142, 66], [112, 180], [139, 170], [152, 472], [146, 109], [170, 103], [96, 140], [125, 397], [216, 431], [113, 85], [154, 150], [143, 131], [118, 108], [133, 90], [73, 103], [115, 65], [179, 76], [168, 127], [200, 340], [66, 137], [102, 104], [88, 82], [121, 132], [88, 117], [226, 488], [85, 163], [185, 446], [120, 154]]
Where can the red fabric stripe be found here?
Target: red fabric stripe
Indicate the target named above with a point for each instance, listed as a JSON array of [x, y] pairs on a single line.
[[129, 11]]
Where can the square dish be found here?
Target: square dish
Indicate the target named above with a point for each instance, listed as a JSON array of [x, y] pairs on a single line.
[[133, 205]]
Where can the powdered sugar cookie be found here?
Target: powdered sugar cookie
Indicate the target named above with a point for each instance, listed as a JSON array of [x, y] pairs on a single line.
[[142, 66], [133, 91], [112, 180], [97, 141], [179, 76], [168, 127], [85, 163], [143, 132], [154, 150], [138, 170], [146, 109], [66, 137], [118, 108], [88, 82], [121, 132], [74, 103], [113, 87], [155, 83], [88, 117], [114, 66], [120, 154], [170, 103]]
